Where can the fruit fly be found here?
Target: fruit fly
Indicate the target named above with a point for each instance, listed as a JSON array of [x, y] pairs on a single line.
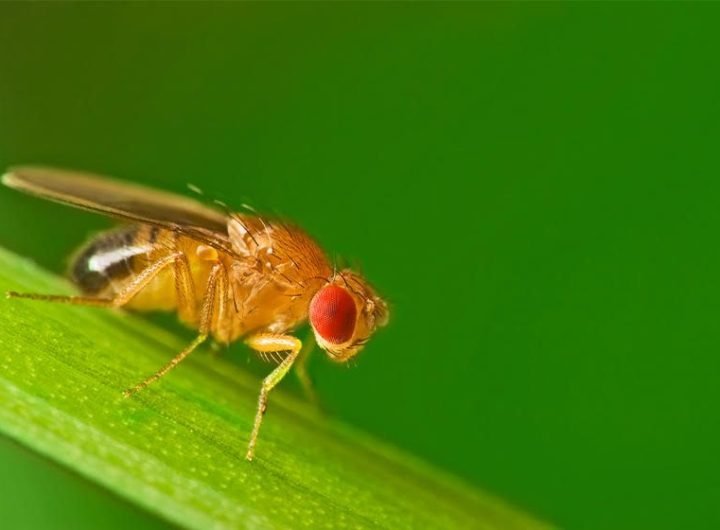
[[231, 276]]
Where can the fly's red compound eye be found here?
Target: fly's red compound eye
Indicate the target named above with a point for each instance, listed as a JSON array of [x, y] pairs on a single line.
[[333, 314]]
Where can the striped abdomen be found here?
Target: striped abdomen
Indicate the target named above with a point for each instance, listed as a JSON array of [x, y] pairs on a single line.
[[111, 257], [112, 261]]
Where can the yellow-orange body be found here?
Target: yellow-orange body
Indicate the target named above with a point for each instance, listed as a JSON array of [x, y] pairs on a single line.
[[227, 275], [272, 277]]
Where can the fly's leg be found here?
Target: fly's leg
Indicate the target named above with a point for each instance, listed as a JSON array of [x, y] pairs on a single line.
[[269, 343], [123, 297], [185, 290], [212, 308], [301, 370]]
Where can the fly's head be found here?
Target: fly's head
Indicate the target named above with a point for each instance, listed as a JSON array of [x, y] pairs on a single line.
[[344, 314]]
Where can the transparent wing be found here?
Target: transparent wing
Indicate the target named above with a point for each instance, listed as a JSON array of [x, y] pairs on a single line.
[[123, 201]]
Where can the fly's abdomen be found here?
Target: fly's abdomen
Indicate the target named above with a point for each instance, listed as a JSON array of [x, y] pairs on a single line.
[[109, 259]]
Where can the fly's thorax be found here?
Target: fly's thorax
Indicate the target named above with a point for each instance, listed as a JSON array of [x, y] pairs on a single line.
[[275, 272], [267, 299], [275, 247]]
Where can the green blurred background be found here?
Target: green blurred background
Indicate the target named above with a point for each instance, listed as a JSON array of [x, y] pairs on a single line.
[[533, 186]]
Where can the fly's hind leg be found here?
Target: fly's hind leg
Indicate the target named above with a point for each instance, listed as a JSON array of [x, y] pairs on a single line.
[[126, 294], [270, 343], [187, 306], [213, 308]]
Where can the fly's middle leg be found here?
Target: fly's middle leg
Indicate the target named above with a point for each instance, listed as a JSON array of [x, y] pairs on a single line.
[[212, 309]]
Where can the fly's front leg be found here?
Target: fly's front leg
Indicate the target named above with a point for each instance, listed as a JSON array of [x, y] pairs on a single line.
[[126, 294], [213, 305], [270, 343]]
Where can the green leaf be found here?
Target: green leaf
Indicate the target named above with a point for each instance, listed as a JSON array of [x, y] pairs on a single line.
[[178, 447]]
